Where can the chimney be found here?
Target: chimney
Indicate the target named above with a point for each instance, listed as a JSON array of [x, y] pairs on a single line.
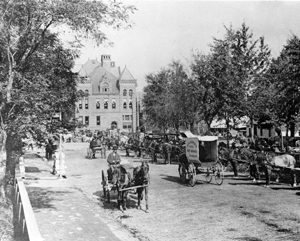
[[105, 61]]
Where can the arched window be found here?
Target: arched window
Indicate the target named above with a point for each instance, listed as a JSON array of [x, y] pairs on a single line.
[[124, 92], [98, 104], [113, 104], [124, 105], [80, 103], [105, 87], [130, 104], [106, 104], [130, 92]]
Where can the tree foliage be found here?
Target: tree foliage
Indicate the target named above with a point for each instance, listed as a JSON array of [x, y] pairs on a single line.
[[35, 70]]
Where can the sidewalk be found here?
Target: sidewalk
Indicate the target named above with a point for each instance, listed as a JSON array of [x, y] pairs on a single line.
[[62, 210]]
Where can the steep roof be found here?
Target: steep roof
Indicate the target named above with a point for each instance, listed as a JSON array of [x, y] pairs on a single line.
[[126, 75], [101, 75], [88, 67]]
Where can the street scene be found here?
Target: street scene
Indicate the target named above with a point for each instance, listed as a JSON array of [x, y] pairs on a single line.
[[155, 120], [236, 210]]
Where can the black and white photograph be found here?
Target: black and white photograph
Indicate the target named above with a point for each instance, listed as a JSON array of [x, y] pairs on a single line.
[[149, 120]]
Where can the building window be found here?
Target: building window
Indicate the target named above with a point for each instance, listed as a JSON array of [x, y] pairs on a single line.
[[86, 99], [98, 120], [106, 104], [124, 105], [80, 119], [113, 105], [98, 104], [127, 117], [130, 104], [105, 87], [130, 92], [86, 120], [80, 104], [124, 92]]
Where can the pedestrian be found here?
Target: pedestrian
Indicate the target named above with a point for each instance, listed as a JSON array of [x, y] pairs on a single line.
[[61, 159], [232, 159], [93, 145]]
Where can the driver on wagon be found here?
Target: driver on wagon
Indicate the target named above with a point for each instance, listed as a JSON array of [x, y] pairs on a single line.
[[113, 159]]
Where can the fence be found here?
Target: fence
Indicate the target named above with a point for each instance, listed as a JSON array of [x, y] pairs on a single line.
[[26, 228]]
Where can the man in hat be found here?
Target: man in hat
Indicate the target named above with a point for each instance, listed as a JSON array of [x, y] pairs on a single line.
[[113, 159]]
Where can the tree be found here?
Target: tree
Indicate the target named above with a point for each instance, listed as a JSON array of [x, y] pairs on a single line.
[[203, 90], [36, 77], [285, 77], [155, 99], [238, 62]]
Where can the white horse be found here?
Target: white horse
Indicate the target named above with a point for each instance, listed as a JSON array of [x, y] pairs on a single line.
[[284, 162]]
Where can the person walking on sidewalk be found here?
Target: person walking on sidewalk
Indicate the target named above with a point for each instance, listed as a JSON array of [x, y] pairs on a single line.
[[59, 165]]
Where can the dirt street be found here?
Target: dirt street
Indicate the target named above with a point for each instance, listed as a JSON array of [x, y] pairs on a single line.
[[236, 210]]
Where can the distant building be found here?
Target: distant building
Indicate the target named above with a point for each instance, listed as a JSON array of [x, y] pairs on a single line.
[[110, 96]]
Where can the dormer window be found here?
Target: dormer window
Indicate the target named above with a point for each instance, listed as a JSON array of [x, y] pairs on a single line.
[[105, 87], [124, 92], [130, 92]]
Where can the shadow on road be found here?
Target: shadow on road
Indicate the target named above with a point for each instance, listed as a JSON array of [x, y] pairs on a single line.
[[32, 169], [113, 204], [42, 198]]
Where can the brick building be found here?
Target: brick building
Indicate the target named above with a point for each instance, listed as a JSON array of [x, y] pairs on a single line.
[[111, 96]]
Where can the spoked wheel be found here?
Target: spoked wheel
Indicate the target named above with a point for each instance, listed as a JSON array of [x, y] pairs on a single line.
[[192, 174], [104, 183], [208, 176], [182, 173], [219, 173]]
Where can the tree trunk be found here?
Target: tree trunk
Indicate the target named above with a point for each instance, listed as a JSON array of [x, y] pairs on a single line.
[[2, 165], [252, 130], [227, 131], [292, 129], [13, 151]]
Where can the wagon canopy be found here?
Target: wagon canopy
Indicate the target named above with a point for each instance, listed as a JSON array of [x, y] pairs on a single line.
[[202, 149]]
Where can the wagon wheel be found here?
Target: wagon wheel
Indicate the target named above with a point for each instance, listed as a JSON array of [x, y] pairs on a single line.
[[104, 183], [182, 173], [219, 173], [208, 176], [192, 174]]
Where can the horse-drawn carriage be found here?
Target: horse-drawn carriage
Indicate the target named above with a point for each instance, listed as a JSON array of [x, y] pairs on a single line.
[[124, 179], [201, 157]]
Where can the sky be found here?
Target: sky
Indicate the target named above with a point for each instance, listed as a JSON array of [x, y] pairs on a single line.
[[164, 31]]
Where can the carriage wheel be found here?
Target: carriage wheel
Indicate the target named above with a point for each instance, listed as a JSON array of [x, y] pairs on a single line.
[[104, 183], [219, 173], [208, 176], [182, 173], [192, 175]]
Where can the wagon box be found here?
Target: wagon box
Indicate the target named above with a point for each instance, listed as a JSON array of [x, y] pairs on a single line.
[[200, 150]]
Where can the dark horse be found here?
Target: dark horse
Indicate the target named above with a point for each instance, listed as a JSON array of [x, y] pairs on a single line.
[[141, 177], [121, 179]]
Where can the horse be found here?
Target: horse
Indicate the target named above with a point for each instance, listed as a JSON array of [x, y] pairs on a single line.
[[121, 179], [141, 177], [284, 162]]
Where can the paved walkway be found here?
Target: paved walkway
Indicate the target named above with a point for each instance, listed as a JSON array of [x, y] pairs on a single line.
[[62, 210]]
